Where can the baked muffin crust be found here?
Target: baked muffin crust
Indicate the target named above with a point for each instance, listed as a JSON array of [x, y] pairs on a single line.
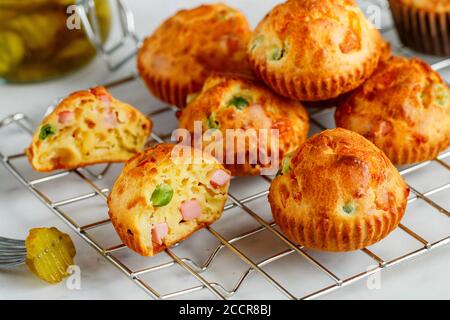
[[404, 109], [177, 58], [338, 192]]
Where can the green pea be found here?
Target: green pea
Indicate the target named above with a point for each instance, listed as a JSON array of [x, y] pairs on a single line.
[[285, 164], [212, 123], [47, 130], [239, 102], [277, 54], [349, 208], [162, 195], [256, 42], [441, 94]]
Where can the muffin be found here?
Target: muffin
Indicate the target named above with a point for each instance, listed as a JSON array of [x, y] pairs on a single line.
[[177, 58], [88, 127], [423, 25], [404, 109], [314, 50], [160, 199], [249, 110], [338, 192]]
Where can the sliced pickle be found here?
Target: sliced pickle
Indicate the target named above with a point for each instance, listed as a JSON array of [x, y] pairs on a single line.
[[49, 254], [40, 31], [36, 44], [78, 47], [12, 51], [7, 14]]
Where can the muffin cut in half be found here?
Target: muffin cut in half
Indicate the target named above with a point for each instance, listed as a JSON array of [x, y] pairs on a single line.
[[177, 58], [338, 192], [159, 199], [313, 49], [404, 109], [423, 25], [249, 110], [86, 128]]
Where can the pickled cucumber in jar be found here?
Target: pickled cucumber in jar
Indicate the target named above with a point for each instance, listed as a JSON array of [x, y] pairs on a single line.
[[12, 51], [37, 43]]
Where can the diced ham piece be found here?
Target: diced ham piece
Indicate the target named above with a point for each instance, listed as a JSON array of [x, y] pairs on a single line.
[[159, 231], [257, 115], [106, 99], [190, 209], [219, 178], [66, 117], [110, 119]]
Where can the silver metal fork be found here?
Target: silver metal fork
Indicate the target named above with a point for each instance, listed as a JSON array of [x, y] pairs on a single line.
[[12, 252]]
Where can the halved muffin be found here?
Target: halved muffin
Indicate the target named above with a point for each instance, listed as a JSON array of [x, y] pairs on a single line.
[[162, 196], [177, 58], [404, 109], [88, 127], [243, 110], [338, 192], [314, 50]]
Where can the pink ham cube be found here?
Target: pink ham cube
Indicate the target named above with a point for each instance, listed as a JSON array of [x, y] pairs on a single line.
[[106, 99], [159, 231], [190, 210], [66, 117], [110, 119], [219, 178]]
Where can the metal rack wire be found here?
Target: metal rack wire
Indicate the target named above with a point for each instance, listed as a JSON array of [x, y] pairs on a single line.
[[189, 264]]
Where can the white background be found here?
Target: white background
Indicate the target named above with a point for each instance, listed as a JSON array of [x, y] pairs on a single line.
[[426, 277]]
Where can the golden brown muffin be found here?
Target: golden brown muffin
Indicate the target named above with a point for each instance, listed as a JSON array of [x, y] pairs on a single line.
[[428, 5], [314, 50], [386, 53], [160, 198], [49, 254], [86, 128], [177, 58], [236, 102], [338, 192], [423, 25], [404, 109]]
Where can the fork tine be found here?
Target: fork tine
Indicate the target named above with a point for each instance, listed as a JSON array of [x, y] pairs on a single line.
[[12, 263], [12, 249], [12, 241], [12, 252], [12, 257]]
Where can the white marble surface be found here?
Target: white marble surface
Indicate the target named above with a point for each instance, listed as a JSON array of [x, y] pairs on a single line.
[[426, 277]]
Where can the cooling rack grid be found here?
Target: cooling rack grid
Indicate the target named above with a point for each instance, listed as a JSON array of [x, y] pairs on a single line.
[[244, 249]]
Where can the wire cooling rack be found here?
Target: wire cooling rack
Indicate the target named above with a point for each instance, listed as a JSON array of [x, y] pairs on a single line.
[[244, 246]]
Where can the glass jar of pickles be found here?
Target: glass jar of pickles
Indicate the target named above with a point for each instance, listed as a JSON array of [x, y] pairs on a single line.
[[42, 39]]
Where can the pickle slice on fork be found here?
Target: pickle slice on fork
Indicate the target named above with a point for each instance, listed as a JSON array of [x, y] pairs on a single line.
[[49, 253]]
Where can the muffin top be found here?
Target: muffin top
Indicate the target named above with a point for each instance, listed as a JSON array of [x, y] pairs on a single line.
[[190, 45], [238, 102], [338, 175], [404, 103], [428, 5], [315, 39]]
